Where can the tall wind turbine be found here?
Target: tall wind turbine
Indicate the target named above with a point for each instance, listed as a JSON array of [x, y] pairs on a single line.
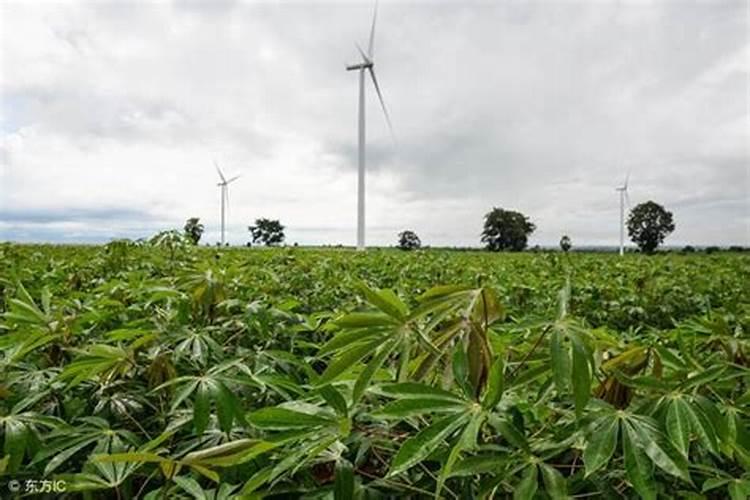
[[224, 184], [623, 195], [367, 64]]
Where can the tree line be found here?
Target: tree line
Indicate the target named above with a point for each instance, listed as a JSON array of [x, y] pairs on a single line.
[[648, 224]]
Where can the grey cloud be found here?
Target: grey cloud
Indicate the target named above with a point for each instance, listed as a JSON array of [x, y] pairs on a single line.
[[541, 106]]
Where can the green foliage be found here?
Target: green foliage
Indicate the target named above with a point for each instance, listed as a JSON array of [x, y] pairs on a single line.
[[648, 224], [506, 230], [170, 371]]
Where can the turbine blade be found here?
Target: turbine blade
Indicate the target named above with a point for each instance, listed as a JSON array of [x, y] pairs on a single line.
[[627, 199], [219, 170], [362, 53], [371, 46], [233, 179], [382, 102], [627, 178]]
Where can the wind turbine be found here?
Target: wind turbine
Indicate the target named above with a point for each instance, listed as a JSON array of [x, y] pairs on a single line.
[[623, 195], [224, 197], [367, 64]]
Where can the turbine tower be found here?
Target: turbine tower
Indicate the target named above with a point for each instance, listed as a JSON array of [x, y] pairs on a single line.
[[367, 64], [224, 197], [623, 195]]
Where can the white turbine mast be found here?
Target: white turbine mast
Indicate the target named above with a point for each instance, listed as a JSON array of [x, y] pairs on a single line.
[[367, 64], [623, 190], [224, 185]]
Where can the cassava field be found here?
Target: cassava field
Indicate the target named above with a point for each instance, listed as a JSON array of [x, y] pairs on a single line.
[[169, 371]]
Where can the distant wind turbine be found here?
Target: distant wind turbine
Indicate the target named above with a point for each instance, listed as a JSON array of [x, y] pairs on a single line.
[[224, 197], [623, 195], [367, 64]]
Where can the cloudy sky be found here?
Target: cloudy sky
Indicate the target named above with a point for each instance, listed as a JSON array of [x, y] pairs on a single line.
[[112, 113]]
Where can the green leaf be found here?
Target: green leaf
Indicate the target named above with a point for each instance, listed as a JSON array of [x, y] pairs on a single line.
[[704, 377], [601, 444], [554, 482], [581, 378], [343, 486], [713, 483], [334, 399], [227, 406], [461, 371], [560, 360], [637, 465], [16, 437], [678, 424], [466, 441], [413, 406], [482, 464], [417, 448], [739, 489], [365, 320], [191, 486], [660, 453], [442, 291], [363, 381], [64, 455], [495, 384], [276, 418], [385, 300], [347, 359], [510, 432], [347, 338], [201, 408], [418, 391], [526, 489]]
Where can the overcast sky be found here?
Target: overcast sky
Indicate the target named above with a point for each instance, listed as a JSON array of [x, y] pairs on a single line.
[[112, 114]]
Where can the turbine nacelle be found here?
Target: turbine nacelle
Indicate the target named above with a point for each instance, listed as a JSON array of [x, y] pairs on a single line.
[[363, 65]]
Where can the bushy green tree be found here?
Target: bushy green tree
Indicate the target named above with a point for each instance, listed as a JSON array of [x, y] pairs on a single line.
[[194, 229], [408, 240], [648, 224], [565, 243], [267, 231], [506, 230]]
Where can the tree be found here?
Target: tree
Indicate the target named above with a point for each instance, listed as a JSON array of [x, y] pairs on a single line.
[[267, 231], [506, 230], [194, 229], [565, 243], [648, 224], [408, 240]]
